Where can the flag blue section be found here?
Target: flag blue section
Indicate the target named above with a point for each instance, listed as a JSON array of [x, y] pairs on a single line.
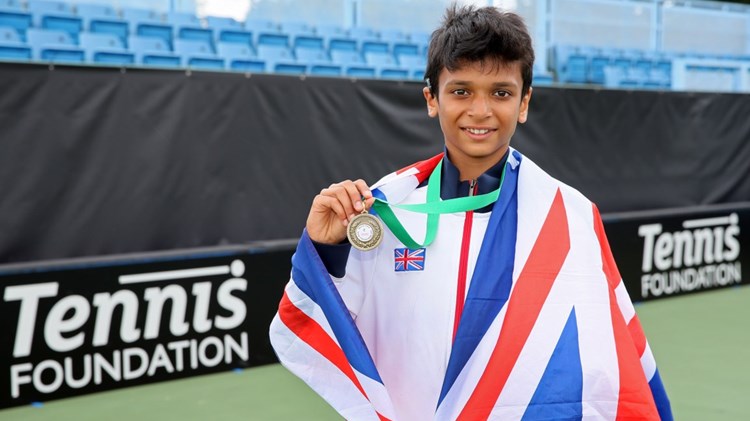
[[555, 399], [311, 276], [660, 397], [492, 279]]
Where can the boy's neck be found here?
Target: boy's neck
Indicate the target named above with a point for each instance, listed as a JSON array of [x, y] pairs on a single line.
[[472, 168]]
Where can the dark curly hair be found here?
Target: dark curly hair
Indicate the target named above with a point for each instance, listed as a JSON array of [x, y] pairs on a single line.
[[487, 35]]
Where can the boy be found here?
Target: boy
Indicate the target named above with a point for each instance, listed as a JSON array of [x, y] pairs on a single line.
[[510, 308]]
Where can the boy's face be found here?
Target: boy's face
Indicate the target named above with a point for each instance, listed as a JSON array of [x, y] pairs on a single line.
[[479, 107]]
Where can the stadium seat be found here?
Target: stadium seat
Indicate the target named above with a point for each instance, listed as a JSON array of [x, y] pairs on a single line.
[[325, 70], [417, 73], [309, 49], [342, 44], [290, 68], [596, 68], [240, 57], [393, 73], [272, 39], [187, 26], [364, 72], [151, 51], [53, 46], [55, 15], [19, 20], [105, 48], [575, 69], [198, 54], [147, 23], [229, 30], [11, 46], [102, 19], [374, 47]]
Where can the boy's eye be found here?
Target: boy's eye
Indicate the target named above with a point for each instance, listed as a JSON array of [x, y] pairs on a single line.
[[502, 93], [460, 92]]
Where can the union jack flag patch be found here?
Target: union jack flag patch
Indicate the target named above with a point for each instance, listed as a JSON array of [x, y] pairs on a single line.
[[407, 260]]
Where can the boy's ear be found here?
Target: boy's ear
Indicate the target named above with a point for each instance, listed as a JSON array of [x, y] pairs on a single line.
[[432, 105], [523, 113]]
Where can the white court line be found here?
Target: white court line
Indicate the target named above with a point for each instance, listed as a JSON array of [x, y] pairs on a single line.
[[173, 274], [707, 222]]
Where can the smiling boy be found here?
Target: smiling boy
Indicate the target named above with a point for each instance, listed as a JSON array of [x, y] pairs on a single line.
[[511, 307]]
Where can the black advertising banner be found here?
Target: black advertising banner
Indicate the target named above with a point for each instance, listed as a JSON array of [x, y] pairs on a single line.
[[149, 160], [89, 327], [668, 253]]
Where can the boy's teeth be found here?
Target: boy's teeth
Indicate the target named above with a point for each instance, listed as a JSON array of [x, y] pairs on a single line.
[[478, 131]]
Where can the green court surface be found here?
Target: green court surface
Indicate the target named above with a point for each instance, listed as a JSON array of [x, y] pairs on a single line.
[[701, 343]]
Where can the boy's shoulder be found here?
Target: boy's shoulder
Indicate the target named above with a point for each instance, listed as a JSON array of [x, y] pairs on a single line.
[[532, 178]]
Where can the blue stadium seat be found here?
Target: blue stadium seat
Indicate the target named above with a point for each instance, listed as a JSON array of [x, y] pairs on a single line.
[[102, 19], [363, 71], [289, 68], [198, 54], [575, 70], [596, 68], [151, 51], [262, 25], [53, 46], [274, 39], [105, 49], [229, 30], [240, 57], [399, 74], [11, 46], [342, 44], [55, 15], [310, 49], [417, 73], [325, 70], [374, 47], [147, 23], [188, 26], [11, 15]]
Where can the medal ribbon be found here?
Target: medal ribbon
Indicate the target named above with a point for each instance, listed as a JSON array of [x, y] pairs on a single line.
[[434, 207]]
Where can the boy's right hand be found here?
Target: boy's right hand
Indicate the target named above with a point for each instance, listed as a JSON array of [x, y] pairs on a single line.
[[334, 207]]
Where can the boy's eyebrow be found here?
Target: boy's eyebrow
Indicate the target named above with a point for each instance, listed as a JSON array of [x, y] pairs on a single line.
[[508, 84]]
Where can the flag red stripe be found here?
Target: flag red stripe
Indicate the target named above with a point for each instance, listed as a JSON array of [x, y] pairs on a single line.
[[424, 167], [309, 331], [636, 332], [635, 399], [529, 294]]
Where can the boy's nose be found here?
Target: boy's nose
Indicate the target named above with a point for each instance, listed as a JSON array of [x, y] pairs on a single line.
[[480, 107]]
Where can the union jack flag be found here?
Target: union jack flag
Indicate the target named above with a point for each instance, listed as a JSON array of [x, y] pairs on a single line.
[[407, 260]]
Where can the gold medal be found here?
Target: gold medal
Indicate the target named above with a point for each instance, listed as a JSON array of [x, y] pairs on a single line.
[[365, 232]]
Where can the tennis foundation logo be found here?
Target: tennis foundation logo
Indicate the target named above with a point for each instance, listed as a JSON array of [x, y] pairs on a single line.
[[704, 254], [131, 327]]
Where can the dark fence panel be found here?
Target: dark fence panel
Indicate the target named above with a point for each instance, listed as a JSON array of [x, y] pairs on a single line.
[[96, 161]]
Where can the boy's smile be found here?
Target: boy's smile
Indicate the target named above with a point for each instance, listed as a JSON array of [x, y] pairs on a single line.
[[479, 106]]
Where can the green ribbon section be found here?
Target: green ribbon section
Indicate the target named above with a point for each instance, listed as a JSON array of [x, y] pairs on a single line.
[[434, 207]]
